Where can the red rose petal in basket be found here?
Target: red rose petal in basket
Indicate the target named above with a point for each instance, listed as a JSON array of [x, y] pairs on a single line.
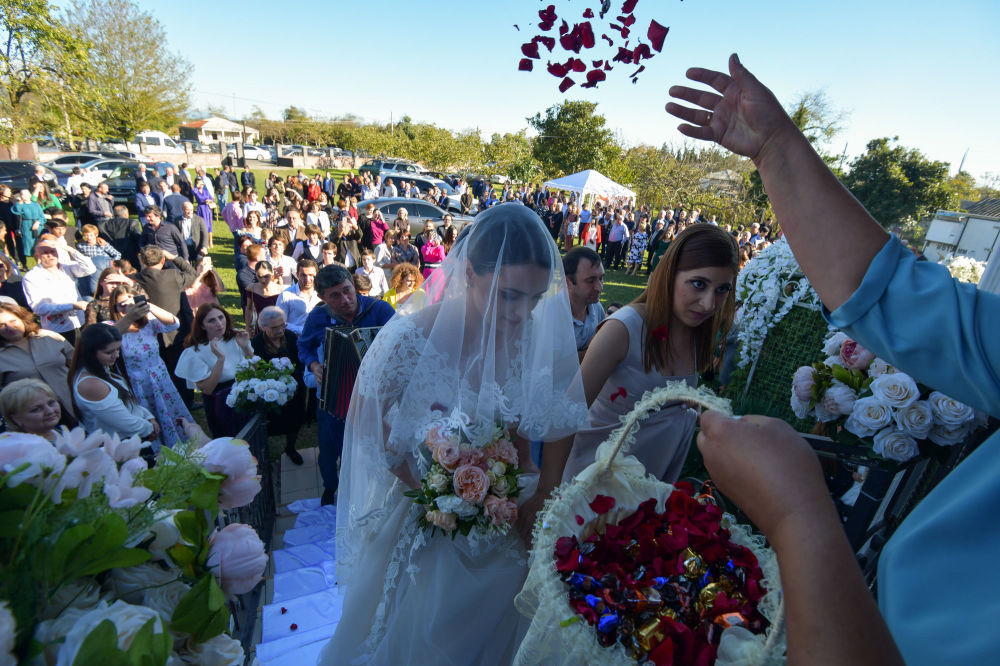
[[594, 77], [602, 504], [525, 65], [566, 84], [656, 34], [579, 520], [530, 49], [548, 17], [628, 6]]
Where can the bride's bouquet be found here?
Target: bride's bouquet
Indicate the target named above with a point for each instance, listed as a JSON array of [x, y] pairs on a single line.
[[860, 398], [468, 486], [261, 385]]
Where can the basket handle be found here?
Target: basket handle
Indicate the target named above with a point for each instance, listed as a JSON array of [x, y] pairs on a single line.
[[655, 399]]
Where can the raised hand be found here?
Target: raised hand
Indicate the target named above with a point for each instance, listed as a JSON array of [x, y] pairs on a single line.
[[219, 354], [744, 117], [243, 339]]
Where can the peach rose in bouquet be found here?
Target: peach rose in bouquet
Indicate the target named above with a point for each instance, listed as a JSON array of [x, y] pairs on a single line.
[[500, 511], [471, 483]]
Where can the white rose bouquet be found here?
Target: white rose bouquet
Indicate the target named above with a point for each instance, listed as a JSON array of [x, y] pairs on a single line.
[[862, 399], [262, 386], [468, 486], [107, 560]]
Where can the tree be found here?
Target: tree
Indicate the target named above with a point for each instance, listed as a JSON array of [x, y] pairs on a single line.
[[572, 137], [816, 117], [293, 114], [37, 55], [133, 82], [511, 155], [898, 185]]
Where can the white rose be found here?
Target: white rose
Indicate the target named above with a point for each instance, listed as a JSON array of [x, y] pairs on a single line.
[[48, 632], [824, 414], [868, 417], [839, 399], [879, 368], [164, 598], [948, 411], [165, 536], [8, 634], [130, 582], [128, 620], [270, 395], [895, 445], [255, 359], [802, 383], [82, 593], [801, 408], [17, 448], [915, 420], [231, 398], [500, 487], [947, 435], [834, 360], [221, 650], [438, 481], [896, 390], [456, 505], [833, 343]]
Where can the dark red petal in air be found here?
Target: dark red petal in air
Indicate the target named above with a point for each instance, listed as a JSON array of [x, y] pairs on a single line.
[[598, 63], [558, 69], [516, 28], [641, 51], [588, 13], [547, 42], [566, 84], [579, 519], [564, 28], [628, 6], [624, 55], [657, 33], [627, 20], [610, 43], [587, 35], [607, 66], [530, 49], [594, 77], [548, 17], [636, 73], [525, 65], [576, 65], [571, 41]]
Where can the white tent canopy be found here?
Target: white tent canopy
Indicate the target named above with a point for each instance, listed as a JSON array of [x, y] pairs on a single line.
[[591, 182]]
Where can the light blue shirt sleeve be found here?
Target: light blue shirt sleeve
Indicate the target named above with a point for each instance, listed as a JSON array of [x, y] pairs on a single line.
[[938, 574]]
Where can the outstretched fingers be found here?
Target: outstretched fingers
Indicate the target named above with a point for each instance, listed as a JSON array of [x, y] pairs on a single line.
[[693, 116], [710, 77], [702, 132], [702, 98]]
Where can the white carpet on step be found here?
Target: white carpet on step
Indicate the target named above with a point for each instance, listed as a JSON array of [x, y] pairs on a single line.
[[306, 603]]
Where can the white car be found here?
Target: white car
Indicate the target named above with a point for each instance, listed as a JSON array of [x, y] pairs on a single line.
[[252, 153]]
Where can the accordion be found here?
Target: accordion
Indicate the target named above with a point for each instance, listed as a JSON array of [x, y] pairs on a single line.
[[345, 347]]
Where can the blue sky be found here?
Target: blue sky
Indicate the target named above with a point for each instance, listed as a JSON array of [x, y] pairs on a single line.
[[925, 71]]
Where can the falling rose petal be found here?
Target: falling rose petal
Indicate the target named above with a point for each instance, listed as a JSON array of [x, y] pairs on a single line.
[[283, 610], [566, 84], [598, 63], [624, 55], [558, 69], [548, 17], [656, 34], [610, 43], [579, 519], [633, 75], [627, 21], [588, 13], [594, 77], [571, 41], [587, 35], [530, 49], [625, 32], [293, 626], [517, 28], [564, 28], [547, 42], [615, 26], [641, 51], [602, 504], [628, 6], [576, 65], [526, 65], [608, 67]]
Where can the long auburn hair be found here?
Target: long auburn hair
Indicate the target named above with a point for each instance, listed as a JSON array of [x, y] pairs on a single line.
[[699, 246], [198, 336]]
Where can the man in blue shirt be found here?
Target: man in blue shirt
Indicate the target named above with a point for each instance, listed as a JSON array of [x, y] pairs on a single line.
[[342, 306]]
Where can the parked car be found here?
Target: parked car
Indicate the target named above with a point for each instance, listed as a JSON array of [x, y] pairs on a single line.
[[425, 183], [104, 167], [388, 168], [17, 174], [70, 160], [157, 142], [121, 183], [251, 153], [418, 212]]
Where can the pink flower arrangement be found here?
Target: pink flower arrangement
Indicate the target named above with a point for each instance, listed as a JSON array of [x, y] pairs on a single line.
[[855, 356], [236, 556], [232, 458]]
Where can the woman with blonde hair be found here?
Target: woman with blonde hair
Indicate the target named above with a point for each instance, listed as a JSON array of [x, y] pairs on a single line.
[[30, 405], [406, 281]]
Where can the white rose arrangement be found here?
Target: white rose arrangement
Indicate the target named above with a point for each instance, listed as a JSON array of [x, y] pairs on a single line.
[[262, 386], [965, 269], [862, 398]]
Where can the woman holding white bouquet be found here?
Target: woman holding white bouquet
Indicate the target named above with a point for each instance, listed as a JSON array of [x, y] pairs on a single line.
[[920, 320], [274, 342], [213, 350], [490, 351]]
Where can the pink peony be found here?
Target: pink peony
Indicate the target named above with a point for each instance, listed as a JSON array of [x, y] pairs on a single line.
[[503, 450], [446, 454], [802, 383], [471, 483], [446, 521], [236, 556], [471, 456], [854, 356], [232, 458], [500, 511]]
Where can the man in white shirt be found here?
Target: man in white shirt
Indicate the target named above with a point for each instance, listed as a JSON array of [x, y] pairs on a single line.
[[389, 190], [298, 300], [73, 182]]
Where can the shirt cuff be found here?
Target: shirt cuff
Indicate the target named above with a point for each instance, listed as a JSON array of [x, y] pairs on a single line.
[[874, 284]]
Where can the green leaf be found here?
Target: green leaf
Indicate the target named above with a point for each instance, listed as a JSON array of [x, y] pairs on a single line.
[[10, 522], [104, 550], [141, 650], [183, 557], [67, 542], [842, 374], [127, 557], [101, 647], [206, 495], [192, 526], [202, 612], [17, 498]]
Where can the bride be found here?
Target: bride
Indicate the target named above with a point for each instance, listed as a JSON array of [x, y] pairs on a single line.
[[492, 344]]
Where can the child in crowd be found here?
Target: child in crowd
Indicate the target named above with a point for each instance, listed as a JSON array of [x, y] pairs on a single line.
[[362, 284]]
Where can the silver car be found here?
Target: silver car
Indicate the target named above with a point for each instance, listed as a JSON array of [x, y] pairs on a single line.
[[418, 212]]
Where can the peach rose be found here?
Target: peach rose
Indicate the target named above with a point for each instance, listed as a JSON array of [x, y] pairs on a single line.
[[446, 454], [503, 450], [500, 511], [445, 521], [471, 456], [438, 436], [471, 483]]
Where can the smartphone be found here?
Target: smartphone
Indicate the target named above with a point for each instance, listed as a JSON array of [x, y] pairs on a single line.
[[138, 300]]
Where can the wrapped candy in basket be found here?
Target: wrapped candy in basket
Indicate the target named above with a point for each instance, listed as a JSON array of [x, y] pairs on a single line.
[[627, 569]]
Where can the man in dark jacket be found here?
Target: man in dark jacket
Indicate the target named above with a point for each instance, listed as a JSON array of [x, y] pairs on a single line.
[[247, 178], [167, 237], [123, 233], [173, 205]]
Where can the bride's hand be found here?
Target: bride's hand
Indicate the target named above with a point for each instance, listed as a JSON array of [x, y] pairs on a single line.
[[527, 514]]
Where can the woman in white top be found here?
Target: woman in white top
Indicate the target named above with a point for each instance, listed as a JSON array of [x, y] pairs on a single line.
[[209, 362], [102, 395], [375, 273], [318, 217]]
